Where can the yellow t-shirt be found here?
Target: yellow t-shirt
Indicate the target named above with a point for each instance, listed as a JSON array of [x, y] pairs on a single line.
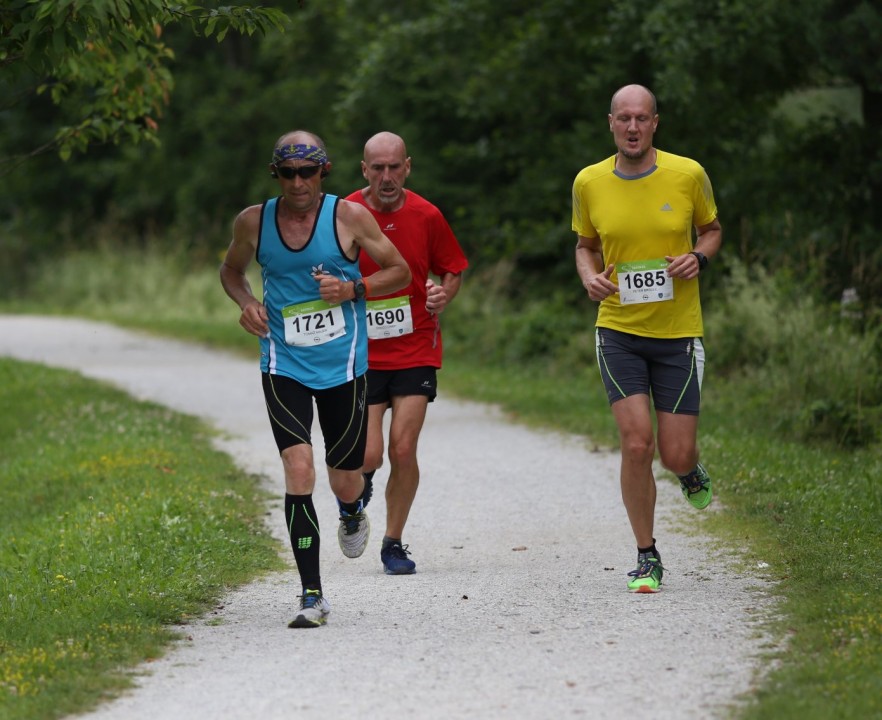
[[645, 218]]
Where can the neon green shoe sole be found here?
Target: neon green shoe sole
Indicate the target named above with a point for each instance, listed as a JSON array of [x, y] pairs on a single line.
[[697, 489], [647, 576]]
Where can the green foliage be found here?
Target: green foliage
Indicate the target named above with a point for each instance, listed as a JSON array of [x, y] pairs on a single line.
[[810, 375], [501, 105], [103, 62], [118, 520], [134, 282], [495, 320]]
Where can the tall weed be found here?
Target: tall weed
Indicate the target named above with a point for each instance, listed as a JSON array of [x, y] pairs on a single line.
[[800, 369], [134, 282]]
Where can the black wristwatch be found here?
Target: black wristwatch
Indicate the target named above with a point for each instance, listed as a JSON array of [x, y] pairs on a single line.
[[702, 260], [360, 289]]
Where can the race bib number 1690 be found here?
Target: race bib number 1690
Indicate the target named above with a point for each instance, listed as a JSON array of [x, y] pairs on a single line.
[[389, 318], [644, 282]]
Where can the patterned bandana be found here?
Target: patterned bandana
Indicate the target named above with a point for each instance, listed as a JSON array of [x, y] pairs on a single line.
[[299, 152]]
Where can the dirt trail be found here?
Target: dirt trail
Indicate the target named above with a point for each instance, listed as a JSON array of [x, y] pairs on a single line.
[[518, 609]]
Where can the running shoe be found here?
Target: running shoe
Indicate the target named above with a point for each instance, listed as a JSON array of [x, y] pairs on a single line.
[[696, 487], [647, 576], [395, 560], [354, 530], [314, 610]]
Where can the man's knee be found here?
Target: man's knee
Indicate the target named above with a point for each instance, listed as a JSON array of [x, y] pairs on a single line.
[[403, 451], [680, 460]]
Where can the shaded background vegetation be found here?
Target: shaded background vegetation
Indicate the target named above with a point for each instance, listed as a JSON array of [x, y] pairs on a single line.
[[501, 105]]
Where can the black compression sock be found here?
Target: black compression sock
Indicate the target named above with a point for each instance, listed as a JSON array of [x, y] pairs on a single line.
[[353, 506], [303, 529]]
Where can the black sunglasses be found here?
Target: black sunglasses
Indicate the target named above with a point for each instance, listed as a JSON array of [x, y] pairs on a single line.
[[289, 173]]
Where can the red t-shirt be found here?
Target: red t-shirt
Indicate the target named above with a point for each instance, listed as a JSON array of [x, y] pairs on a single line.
[[427, 243]]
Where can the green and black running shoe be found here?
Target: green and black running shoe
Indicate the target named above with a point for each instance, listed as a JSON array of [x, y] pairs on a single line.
[[648, 575], [696, 487]]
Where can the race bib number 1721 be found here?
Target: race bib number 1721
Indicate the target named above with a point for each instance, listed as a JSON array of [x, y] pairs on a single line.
[[312, 323]]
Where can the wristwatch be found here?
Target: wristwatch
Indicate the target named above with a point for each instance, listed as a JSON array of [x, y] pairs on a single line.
[[359, 288], [702, 260]]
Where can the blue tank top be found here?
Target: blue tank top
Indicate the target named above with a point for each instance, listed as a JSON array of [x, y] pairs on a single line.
[[317, 344]]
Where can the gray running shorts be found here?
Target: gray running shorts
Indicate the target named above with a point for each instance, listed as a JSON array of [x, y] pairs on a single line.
[[669, 370]]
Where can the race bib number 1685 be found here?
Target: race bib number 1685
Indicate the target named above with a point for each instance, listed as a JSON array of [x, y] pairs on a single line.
[[644, 281]]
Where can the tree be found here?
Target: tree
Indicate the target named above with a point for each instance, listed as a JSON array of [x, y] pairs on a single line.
[[102, 63]]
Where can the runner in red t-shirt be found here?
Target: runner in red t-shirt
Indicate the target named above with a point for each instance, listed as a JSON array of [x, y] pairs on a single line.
[[404, 332]]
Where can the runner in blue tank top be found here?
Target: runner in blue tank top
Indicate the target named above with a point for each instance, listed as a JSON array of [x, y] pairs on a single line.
[[302, 325], [313, 341]]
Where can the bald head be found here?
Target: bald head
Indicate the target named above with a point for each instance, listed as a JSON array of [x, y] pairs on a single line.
[[633, 95], [385, 167], [386, 144]]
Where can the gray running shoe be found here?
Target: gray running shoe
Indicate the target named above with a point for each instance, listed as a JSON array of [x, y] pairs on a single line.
[[354, 532], [314, 610], [355, 528]]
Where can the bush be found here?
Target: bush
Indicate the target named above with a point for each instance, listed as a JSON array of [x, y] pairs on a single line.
[[801, 369]]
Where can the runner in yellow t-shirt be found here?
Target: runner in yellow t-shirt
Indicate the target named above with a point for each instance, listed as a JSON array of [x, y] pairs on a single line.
[[634, 215]]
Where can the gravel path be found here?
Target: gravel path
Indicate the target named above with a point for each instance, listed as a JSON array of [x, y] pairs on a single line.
[[518, 609]]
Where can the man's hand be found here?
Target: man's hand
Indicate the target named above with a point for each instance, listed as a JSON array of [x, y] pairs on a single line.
[[684, 267], [600, 286], [436, 297], [333, 290], [254, 319]]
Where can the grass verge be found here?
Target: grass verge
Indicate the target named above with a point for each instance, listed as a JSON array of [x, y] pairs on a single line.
[[119, 522]]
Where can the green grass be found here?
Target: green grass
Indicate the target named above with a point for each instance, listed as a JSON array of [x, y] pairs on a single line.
[[119, 522], [792, 499], [813, 514]]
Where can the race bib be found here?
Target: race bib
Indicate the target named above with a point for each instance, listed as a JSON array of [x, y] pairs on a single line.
[[389, 318], [644, 281], [312, 323]]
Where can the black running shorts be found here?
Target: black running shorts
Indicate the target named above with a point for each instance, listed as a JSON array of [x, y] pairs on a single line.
[[341, 412], [383, 385]]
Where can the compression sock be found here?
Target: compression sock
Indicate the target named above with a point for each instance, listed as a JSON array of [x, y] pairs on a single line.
[[352, 507], [303, 529]]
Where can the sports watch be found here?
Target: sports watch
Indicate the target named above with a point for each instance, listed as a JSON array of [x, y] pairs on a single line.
[[702, 260], [360, 289]]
